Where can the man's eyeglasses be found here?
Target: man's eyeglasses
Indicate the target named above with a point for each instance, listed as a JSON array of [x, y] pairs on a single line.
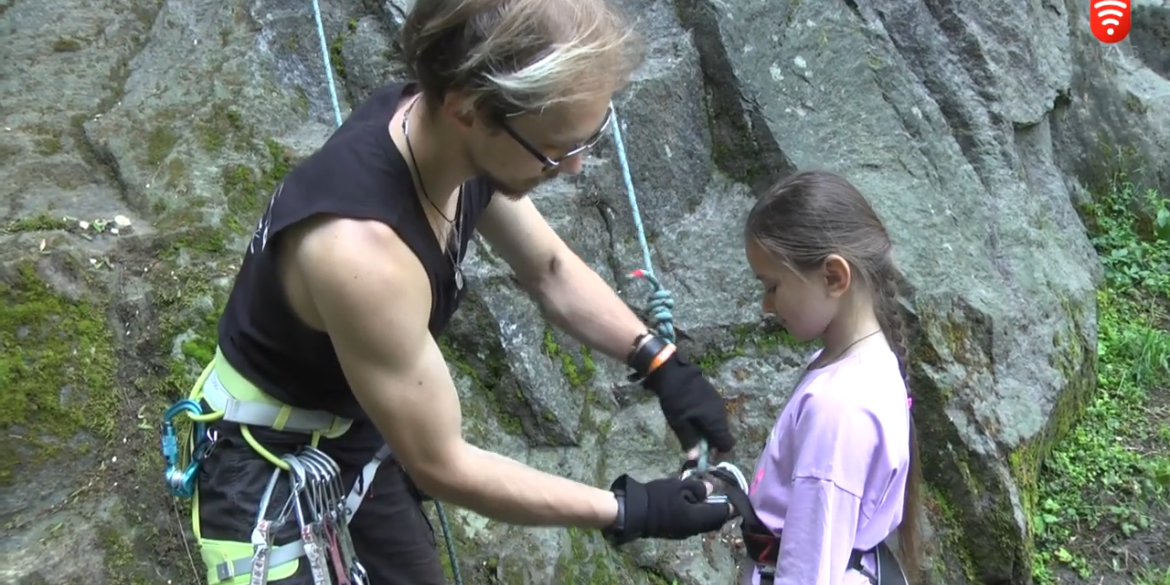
[[547, 161]]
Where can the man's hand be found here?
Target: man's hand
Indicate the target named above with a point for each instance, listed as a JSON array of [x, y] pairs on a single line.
[[670, 508], [692, 406]]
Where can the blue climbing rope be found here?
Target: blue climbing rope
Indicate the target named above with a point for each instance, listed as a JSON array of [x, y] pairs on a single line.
[[328, 63], [661, 300], [439, 511]]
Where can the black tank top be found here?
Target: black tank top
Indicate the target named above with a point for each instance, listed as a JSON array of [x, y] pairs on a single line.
[[357, 173]]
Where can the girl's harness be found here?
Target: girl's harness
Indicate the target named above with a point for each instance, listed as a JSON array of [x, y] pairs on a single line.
[[763, 546]]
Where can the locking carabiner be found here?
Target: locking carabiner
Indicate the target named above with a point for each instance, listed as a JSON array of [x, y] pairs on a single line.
[[181, 481]]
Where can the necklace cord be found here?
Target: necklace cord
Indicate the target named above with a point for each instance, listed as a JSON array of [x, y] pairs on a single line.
[[454, 249]]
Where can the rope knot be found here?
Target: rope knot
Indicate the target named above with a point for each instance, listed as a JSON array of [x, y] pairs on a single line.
[[660, 305]]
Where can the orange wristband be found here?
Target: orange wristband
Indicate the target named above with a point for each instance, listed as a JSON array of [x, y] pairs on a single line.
[[661, 358]]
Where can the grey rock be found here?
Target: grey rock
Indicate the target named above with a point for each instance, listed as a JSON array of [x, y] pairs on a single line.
[[1150, 35], [976, 130]]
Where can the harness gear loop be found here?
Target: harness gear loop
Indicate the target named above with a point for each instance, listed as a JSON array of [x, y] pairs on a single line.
[[262, 534]]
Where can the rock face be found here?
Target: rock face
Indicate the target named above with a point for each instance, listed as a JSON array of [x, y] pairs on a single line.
[[973, 130]]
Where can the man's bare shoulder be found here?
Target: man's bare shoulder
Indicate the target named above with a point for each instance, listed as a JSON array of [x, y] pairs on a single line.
[[332, 247], [361, 278]]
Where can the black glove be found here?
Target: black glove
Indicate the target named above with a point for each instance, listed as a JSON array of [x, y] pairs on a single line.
[[673, 509], [693, 408]]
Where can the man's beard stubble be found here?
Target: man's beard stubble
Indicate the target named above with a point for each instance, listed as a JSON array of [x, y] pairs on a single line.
[[509, 190]]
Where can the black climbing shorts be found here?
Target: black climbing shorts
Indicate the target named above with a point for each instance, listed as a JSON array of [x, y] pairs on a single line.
[[392, 536]]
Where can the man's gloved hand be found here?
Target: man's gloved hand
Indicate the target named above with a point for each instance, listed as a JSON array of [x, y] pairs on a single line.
[[669, 508], [692, 406]]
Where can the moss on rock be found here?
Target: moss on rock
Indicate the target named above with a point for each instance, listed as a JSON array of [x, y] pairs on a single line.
[[224, 126], [1075, 358], [41, 222], [949, 549], [124, 557], [977, 501], [579, 372], [57, 367], [748, 339], [486, 375], [246, 190], [588, 560]]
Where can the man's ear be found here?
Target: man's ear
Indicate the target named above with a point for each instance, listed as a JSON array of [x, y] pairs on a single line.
[[837, 275], [460, 110]]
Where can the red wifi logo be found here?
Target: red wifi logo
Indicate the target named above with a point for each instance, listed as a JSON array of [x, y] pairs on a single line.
[[1109, 20]]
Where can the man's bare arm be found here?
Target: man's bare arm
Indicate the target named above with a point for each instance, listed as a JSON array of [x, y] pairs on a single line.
[[374, 299], [570, 294]]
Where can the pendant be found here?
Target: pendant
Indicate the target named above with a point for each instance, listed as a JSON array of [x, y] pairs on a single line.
[[458, 278]]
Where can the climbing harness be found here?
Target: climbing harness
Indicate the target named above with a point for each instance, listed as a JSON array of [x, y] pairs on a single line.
[[318, 499], [763, 546]]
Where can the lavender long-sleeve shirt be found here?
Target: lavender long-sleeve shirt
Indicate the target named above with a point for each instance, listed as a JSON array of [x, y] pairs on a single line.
[[833, 473]]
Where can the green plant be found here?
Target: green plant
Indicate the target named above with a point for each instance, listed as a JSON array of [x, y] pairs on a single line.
[[1136, 257], [1109, 479]]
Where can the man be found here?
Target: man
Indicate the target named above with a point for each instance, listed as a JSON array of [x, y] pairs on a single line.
[[354, 272]]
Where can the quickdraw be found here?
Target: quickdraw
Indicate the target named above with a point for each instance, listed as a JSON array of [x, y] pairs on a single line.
[[183, 464], [317, 500]]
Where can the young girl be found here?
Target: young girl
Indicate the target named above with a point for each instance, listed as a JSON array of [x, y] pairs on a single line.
[[841, 459]]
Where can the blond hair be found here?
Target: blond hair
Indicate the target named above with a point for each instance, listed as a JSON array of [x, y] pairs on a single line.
[[518, 56]]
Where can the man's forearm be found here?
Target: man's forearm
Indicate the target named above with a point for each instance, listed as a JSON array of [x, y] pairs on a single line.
[[576, 299], [506, 490]]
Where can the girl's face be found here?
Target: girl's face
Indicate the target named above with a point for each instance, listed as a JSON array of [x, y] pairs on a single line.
[[804, 303]]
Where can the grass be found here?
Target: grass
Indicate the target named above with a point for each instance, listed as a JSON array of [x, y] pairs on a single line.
[[1104, 501]]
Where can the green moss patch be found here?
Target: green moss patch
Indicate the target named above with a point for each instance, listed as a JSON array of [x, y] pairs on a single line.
[[588, 560], [490, 379], [42, 222], [57, 368], [578, 367], [747, 339]]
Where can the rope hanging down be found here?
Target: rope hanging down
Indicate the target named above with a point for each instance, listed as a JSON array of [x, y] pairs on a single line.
[[661, 300], [448, 539]]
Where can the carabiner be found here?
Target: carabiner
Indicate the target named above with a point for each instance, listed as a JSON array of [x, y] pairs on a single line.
[[181, 482], [184, 405], [738, 475]]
